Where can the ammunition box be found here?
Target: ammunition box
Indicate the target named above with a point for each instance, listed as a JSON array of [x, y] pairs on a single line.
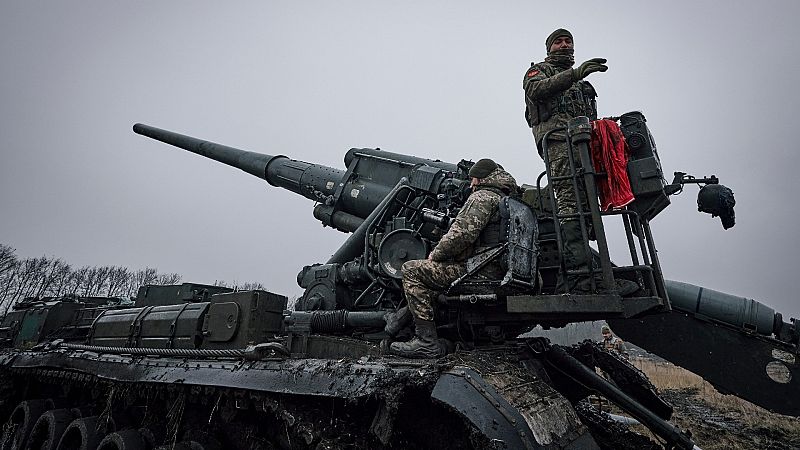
[[239, 319]]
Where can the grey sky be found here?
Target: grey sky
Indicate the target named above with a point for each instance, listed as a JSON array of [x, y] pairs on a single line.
[[435, 79]]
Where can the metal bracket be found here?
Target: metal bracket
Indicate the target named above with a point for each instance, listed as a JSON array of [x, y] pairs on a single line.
[[136, 326], [298, 330], [174, 325]]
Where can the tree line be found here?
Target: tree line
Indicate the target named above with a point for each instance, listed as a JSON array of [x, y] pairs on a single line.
[[47, 276]]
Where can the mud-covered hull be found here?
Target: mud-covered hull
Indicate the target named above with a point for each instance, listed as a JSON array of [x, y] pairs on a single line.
[[470, 400], [513, 414]]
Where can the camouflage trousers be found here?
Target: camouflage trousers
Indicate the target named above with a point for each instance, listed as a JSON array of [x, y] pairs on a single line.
[[423, 280], [558, 152], [567, 198]]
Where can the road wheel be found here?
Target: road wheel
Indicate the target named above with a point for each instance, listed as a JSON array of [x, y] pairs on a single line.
[[153, 435], [19, 425], [83, 434], [123, 440], [48, 429]]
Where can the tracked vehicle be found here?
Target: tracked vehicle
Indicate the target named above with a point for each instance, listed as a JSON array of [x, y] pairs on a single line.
[[201, 367]]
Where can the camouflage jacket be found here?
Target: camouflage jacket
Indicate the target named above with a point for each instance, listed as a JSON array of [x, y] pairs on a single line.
[[479, 212], [615, 344], [552, 97]]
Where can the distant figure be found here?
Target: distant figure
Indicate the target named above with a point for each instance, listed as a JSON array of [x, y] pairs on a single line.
[[613, 343]]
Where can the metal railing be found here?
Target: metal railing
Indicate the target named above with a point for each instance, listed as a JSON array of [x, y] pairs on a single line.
[[582, 176]]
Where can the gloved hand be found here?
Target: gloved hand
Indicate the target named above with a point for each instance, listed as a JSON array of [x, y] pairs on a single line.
[[590, 66]]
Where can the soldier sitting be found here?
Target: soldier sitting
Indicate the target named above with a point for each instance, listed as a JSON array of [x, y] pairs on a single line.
[[475, 228]]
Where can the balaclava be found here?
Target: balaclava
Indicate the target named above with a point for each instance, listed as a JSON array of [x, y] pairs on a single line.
[[562, 58]]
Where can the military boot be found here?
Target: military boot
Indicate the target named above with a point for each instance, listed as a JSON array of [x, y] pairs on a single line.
[[576, 258], [425, 344], [397, 320]]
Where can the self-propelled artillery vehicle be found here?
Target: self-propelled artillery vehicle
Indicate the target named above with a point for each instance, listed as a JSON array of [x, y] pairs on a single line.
[[201, 367]]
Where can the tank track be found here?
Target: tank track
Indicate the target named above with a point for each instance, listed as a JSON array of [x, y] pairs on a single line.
[[206, 404]]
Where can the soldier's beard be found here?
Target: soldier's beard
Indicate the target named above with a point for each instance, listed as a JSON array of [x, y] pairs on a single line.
[[562, 58]]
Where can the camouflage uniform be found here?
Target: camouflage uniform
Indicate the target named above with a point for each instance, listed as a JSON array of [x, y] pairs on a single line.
[[615, 344], [470, 232], [553, 96]]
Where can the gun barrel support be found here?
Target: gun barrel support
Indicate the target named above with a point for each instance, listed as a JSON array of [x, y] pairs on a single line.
[[354, 245]]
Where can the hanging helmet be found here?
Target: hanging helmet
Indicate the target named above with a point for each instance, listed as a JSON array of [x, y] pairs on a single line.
[[717, 200]]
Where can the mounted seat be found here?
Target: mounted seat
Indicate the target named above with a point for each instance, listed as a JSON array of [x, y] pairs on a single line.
[[516, 252]]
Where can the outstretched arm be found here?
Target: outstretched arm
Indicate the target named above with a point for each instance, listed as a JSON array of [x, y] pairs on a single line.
[[539, 87]]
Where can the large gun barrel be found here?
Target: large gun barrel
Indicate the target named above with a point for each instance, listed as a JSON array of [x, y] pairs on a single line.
[[345, 197], [313, 181]]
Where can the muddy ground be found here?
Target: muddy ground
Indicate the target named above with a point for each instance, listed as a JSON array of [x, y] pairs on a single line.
[[714, 426]]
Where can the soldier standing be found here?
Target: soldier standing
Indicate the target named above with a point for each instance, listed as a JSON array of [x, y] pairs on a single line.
[[475, 229], [555, 92], [613, 343]]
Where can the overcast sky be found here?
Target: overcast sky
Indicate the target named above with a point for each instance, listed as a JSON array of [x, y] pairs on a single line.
[[718, 84]]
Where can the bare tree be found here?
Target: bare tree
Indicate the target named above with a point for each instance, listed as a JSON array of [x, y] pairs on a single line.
[[32, 272], [250, 286], [9, 268], [237, 286], [89, 282], [52, 277], [8, 259], [145, 276], [75, 280], [168, 278], [9, 285], [61, 273], [101, 275], [140, 278], [118, 278]]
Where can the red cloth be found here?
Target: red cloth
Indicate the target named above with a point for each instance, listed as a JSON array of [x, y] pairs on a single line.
[[610, 155]]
